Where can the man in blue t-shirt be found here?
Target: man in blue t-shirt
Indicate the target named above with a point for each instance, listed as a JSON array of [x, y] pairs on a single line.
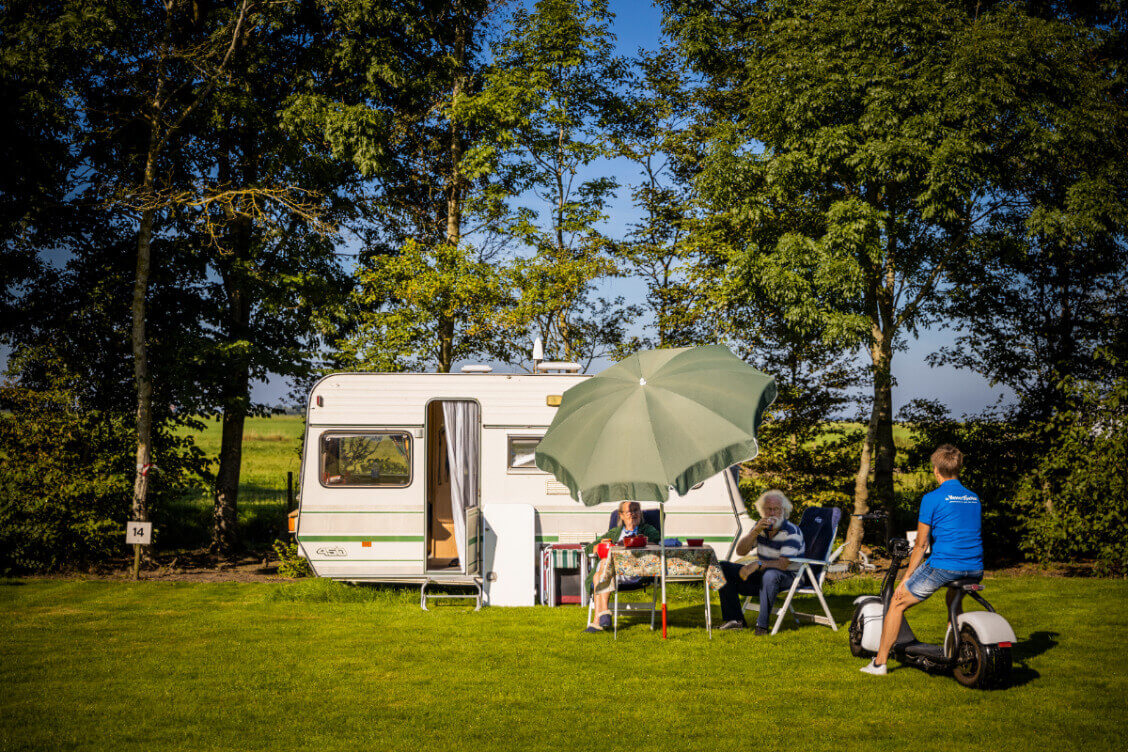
[[950, 520]]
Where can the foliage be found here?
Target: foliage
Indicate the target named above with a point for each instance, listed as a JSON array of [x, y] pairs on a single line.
[[1074, 500], [851, 154], [66, 473], [423, 307], [658, 247], [291, 563], [547, 101]]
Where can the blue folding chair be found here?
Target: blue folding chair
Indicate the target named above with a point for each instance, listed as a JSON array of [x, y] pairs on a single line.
[[819, 526]]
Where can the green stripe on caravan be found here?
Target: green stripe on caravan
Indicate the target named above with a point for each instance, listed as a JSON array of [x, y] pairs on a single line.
[[373, 538]]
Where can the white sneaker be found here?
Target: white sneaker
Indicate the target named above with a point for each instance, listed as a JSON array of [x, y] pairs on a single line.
[[873, 668]]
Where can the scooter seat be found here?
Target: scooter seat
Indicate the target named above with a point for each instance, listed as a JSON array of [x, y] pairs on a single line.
[[966, 584]]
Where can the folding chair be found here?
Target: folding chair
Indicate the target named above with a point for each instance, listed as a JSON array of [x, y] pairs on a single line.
[[627, 584], [819, 526]]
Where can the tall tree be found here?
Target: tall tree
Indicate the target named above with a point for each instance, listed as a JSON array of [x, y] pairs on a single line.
[[847, 147], [659, 247], [550, 99], [147, 68], [397, 111], [266, 221]]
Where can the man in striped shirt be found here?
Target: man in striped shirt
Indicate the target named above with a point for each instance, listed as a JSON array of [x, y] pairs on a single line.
[[777, 541]]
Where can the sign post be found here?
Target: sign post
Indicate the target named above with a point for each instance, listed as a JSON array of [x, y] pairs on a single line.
[[138, 533]]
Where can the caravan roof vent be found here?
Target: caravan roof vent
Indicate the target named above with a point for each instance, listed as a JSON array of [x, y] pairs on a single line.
[[476, 369], [558, 366]]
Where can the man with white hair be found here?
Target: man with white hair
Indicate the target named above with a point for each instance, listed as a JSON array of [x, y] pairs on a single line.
[[777, 541]]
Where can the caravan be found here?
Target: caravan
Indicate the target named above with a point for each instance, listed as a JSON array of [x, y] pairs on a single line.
[[430, 478]]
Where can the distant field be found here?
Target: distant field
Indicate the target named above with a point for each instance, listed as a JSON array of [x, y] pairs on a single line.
[[270, 450]]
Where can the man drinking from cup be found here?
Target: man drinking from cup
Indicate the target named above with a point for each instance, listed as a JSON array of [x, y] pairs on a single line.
[[776, 540]]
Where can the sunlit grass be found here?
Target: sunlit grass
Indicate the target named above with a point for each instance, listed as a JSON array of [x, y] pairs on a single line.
[[321, 665]]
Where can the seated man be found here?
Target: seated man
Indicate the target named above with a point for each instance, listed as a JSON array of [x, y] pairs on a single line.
[[949, 518], [776, 540], [630, 523]]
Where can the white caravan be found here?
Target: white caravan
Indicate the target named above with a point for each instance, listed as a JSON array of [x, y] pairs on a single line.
[[430, 478]]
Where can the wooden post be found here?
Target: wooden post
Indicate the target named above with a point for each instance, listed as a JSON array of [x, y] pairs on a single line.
[[136, 561], [289, 491]]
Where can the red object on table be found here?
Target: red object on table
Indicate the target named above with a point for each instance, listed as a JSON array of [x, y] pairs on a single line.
[[603, 548], [695, 541], [634, 541]]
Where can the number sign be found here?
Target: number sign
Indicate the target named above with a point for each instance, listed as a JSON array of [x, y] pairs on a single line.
[[140, 533]]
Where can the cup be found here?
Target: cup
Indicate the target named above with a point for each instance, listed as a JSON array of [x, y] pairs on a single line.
[[603, 548], [697, 542]]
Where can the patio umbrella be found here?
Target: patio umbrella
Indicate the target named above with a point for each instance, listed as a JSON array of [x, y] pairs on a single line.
[[656, 420]]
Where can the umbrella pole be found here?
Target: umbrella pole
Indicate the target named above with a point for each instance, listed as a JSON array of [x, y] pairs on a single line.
[[662, 543]]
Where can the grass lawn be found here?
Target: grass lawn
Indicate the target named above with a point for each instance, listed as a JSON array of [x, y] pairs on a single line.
[[315, 665]]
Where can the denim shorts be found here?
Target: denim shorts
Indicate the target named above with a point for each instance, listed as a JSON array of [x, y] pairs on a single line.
[[927, 580]]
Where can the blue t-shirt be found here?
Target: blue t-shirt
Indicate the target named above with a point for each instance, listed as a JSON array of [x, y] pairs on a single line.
[[952, 512]]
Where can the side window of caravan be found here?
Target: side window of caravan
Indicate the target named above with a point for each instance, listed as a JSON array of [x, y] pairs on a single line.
[[368, 458], [521, 454]]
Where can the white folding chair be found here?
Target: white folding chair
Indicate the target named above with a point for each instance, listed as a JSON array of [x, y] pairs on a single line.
[[817, 525]]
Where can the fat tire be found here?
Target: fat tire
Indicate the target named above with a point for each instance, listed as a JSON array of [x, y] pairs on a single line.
[[980, 666], [855, 633]]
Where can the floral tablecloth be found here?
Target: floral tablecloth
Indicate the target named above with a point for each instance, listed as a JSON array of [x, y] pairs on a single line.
[[647, 562]]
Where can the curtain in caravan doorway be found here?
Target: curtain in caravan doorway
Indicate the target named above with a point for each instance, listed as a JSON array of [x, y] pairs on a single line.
[[461, 420]]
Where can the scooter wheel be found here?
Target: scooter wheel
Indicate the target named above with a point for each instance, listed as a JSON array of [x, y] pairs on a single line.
[[980, 666], [855, 632]]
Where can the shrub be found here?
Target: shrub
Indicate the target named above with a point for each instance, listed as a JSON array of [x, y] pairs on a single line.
[[66, 475], [290, 562], [1075, 498], [998, 449]]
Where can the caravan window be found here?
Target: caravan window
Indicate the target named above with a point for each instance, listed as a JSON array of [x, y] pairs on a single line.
[[521, 449], [368, 458]]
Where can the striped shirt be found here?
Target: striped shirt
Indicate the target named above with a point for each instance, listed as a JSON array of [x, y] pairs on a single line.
[[787, 541]]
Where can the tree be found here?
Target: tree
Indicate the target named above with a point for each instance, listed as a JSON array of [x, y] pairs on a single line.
[[658, 247], [848, 157], [266, 221], [395, 109], [546, 104], [1048, 286], [422, 308], [146, 69]]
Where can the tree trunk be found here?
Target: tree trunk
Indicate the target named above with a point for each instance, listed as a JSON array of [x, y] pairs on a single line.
[[225, 531], [237, 373], [856, 528], [446, 345], [142, 379]]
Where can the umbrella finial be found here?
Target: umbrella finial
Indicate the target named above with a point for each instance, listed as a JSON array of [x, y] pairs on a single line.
[[642, 382]]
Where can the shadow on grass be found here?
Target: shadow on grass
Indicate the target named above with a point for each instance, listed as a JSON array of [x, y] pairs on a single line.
[[1034, 645]]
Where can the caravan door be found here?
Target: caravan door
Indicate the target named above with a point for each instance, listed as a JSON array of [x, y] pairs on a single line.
[[453, 525]]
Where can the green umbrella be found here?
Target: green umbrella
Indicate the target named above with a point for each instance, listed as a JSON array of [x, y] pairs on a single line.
[[657, 419]]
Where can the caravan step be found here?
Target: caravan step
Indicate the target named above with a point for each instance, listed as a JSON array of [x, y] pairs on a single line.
[[474, 582]]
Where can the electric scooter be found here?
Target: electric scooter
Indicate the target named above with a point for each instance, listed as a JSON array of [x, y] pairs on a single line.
[[977, 646]]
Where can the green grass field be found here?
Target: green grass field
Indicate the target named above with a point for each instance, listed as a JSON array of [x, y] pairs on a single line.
[[270, 450], [315, 665]]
